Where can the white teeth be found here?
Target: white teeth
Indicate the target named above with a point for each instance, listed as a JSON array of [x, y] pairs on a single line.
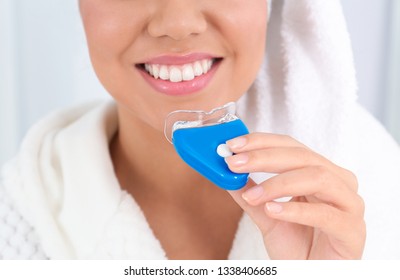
[[179, 73], [164, 73], [198, 70], [188, 72], [175, 75], [156, 71], [204, 64]]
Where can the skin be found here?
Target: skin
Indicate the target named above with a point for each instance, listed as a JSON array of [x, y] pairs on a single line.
[[324, 220]]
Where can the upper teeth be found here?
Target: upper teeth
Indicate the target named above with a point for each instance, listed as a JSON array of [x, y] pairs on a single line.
[[179, 73]]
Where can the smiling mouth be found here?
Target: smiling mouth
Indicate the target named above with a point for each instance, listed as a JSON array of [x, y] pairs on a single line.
[[179, 73]]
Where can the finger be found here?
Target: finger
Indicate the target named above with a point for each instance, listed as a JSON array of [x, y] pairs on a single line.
[[313, 181], [274, 160], [265, 141], [279, 160], [256, 213], [327, 218], [258, 140]]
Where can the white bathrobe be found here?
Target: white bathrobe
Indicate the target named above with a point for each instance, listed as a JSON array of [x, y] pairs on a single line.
[[61, 190]]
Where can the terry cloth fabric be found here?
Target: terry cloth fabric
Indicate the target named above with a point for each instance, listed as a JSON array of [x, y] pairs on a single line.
[[62, 181], [307, 89], [63, 184]]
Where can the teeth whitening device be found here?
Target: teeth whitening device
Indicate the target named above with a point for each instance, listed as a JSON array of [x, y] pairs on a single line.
[[199, 138]]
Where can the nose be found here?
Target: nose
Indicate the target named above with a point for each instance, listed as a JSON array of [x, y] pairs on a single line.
[[177, 19]]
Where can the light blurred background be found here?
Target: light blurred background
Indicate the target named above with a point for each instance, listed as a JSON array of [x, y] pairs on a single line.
[[44, 64]]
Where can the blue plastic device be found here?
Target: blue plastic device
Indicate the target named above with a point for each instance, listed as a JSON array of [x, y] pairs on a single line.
[[197, 146]]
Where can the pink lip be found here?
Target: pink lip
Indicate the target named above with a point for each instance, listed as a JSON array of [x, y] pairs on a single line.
[[184, 87], [178, 59]]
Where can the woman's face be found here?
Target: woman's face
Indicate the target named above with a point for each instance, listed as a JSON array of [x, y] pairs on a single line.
[[157, 56]]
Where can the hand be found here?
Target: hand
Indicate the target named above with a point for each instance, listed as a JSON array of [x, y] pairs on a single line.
[[325, 217]]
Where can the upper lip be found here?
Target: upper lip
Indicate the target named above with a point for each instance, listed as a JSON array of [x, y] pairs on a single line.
[[173, 59]]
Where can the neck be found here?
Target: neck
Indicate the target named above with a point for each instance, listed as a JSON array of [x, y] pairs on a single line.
[[169, 193], [143, 157]]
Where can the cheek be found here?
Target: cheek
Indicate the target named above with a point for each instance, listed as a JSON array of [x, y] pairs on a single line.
[[252, 30], [111, 30], [251, 49], [248, 38], [245, 23], [110, 27]]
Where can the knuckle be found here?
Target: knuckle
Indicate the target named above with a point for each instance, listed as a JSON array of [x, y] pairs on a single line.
[[321, 174], [283, 182], [349, 178], [359, 206], [353, 180], [328, 217], [279, 185]]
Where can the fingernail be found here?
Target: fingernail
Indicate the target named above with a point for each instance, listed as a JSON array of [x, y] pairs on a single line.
[[273, 207], [253, 193], [237, 160], [237, 143]]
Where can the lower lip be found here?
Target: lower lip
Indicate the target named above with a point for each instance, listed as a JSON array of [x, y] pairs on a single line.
[[181, 88]]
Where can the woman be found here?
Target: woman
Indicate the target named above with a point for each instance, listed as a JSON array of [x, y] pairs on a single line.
[[101, 181]]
